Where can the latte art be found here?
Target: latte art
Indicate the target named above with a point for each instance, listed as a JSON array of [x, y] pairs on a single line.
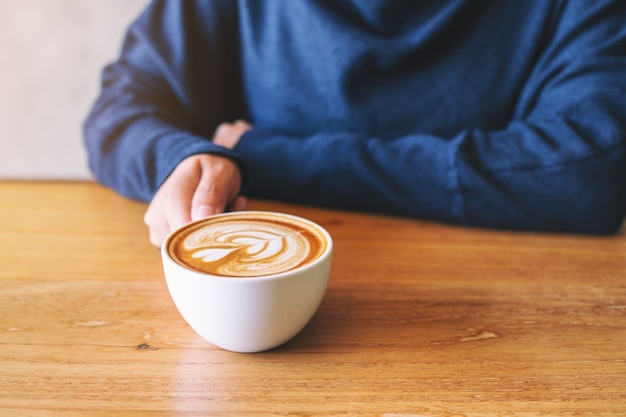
[[246, 245], [248, 248]]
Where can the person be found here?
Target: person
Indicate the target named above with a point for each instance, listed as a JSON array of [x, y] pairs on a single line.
[[485, 113]]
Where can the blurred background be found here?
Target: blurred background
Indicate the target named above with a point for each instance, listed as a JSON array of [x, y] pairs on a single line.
[[51, 55]]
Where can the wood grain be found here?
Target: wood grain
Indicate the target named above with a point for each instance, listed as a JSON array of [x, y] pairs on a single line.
[[420, 319]]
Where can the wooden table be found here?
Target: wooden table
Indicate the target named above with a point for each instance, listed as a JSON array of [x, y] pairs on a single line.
[[420, 319]]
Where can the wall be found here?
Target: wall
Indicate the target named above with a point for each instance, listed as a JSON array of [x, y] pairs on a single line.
[[51, 55]]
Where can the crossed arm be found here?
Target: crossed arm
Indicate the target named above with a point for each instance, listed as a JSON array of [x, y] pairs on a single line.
[[559, 165]]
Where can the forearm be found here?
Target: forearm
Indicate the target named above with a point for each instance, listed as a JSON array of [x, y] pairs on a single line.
[[453, 180], [137, 158], [162, 99], [351, 172], [557, 163]]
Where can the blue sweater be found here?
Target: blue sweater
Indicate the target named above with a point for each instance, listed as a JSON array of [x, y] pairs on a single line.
[[504, 114]]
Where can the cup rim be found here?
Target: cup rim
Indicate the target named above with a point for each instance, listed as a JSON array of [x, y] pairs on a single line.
[[321, 258]]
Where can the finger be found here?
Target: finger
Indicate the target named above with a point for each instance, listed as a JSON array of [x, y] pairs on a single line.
[[242, 124], [179, 204], [181, 189], [158, 228], [238, 204], [222, 130], [228, 134], [157, 237], [203, 211], [208, 198]]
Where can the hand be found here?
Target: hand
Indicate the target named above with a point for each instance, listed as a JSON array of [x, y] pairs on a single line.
[[199, 186], [228, 134]]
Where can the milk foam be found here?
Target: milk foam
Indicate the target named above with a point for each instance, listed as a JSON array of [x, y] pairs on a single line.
[[246, 247]]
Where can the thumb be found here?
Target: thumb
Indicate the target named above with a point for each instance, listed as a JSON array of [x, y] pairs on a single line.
[[218, 185], [203, 211], [207, 200]]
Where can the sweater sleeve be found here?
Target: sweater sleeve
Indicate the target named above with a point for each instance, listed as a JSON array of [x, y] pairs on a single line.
[[559, 165], [162, 99]]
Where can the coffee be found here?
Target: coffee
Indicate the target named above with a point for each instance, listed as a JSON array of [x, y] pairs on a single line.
[[248, 281], [247, 244]]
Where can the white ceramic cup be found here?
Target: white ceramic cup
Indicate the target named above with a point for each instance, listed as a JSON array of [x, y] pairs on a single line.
[[249, 314]]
